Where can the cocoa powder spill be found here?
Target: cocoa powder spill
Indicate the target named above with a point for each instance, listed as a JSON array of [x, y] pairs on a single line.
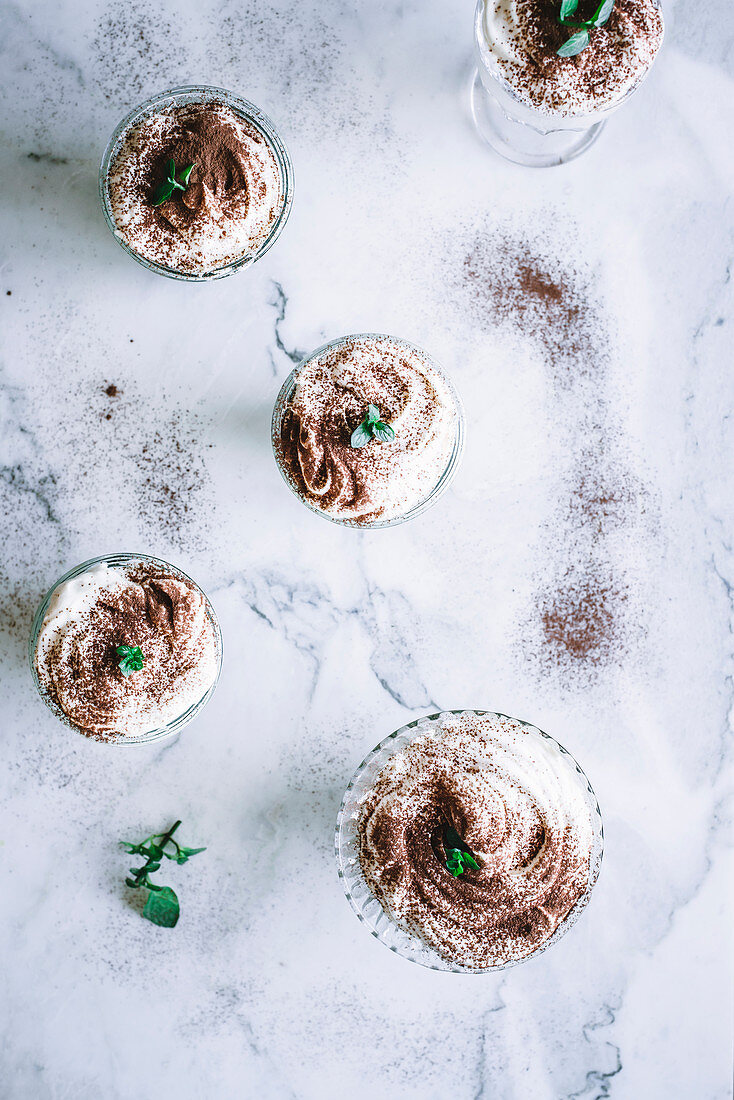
[[578, 623]]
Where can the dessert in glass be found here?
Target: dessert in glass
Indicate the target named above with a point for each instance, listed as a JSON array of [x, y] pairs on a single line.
[[468, 841], [196, 183], [538, 108], [125, 648], [368, 431]]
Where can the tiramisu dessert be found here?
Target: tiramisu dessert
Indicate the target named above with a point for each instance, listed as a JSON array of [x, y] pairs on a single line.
[[125, 649], [193, 186], [366, 429], [570, 59], [477, 838]]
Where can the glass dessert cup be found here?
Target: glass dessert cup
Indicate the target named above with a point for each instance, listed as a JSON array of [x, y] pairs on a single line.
[[359, 895], [444, 480], [519, 132], [157, 733], [178, 97]]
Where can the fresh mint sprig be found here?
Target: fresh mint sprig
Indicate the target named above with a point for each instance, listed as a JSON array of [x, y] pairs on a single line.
[[131, 658], [161, 906], [458, 856], [580, 40], [372, 428], [170, 184]]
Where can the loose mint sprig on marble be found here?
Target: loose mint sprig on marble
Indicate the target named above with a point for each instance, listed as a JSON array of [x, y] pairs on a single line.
[[161, 906], [165, 189], [372, 428], [580, 40]]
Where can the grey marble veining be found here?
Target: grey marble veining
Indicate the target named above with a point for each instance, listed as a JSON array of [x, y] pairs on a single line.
[[606, 458]]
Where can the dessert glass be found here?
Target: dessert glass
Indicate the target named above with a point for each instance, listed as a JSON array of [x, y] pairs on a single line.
[[519, 132], [365, 904], [252, 114], [444, 480], [158, 733]]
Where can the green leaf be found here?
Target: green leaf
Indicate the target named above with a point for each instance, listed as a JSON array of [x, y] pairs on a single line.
[[361, 436], [131, 659], [162, 908], [568, 7], [188, 852], [171, 169], [162, 193], [153, 866], [575, 44], [383, 431], [184, 177], [373, 413], [132, 849], [154, 851], [602, 13], [470, 861], [133, 883]]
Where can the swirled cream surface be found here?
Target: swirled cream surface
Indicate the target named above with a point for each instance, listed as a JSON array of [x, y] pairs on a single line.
[[89, 616], [382, 480], [234, 193], [519, 808], [521, 38]]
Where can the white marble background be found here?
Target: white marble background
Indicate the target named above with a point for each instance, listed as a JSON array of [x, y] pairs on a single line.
[[269, 987]]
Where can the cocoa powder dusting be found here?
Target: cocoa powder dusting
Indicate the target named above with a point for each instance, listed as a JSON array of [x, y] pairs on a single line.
[[579, 622], [151, 456], [511, 282]]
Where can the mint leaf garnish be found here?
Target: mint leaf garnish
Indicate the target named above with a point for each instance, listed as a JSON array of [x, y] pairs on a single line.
[[580, 40], [131, 658], [165, 189], [161, 906], [458, 856], [372, 428]]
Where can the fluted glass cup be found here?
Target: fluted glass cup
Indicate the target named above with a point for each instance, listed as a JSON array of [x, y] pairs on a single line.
[[157, 733], [519, 132], [366, 906]]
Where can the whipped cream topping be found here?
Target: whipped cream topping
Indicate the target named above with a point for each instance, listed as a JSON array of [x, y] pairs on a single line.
[[381, 480], [517, 804], [140, 604], [521, 37], [232, 200]]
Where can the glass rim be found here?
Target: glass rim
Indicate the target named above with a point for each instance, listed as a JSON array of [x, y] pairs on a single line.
[[492, 69], [287, 389], [159, 733], [380, 925], [249, 111]]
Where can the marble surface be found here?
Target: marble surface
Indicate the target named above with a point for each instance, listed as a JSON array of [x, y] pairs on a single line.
[[578, 574]]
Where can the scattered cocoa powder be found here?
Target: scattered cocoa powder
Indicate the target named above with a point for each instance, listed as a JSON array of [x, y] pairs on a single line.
[[579, 621], [511, 282]]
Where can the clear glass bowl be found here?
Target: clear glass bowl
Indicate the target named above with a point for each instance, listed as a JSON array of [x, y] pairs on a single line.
[[252, 114], [120, 560], [360, 897], [443, 482], [519, 132]]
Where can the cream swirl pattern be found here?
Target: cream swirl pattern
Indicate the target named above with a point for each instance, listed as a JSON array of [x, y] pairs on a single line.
[[518, 805], [332, 391]]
